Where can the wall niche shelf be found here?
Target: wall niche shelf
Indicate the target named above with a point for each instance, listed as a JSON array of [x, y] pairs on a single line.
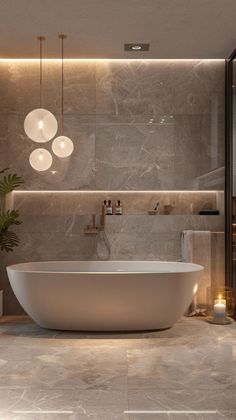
[[81, 202]]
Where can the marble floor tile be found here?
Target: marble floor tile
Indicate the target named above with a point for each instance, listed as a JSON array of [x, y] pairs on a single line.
[[85, 367], [161, 375], [178, 416], [182, 400], [69, 404]]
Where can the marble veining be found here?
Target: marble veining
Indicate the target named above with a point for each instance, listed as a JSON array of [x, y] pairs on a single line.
[[100, 376], [136, 125]]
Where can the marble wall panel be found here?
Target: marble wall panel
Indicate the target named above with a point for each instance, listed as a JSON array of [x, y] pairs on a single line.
[[136, 125], [79, 87], [146, 225], [169, 87], [155, 125], [134, 157], [3, 115], [5, 158], [213, 149], [4, 105], [140, 224]]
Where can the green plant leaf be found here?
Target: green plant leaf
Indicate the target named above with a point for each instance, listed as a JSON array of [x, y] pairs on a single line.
[[9, 218], [4, 170], [8, 241], [9, 183]]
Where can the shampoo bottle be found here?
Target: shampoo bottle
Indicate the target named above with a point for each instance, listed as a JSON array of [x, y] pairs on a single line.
[[119, 209], [109, 210]]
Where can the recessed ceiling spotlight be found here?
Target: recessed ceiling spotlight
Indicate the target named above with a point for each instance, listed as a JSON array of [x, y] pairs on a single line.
[[136, 47]]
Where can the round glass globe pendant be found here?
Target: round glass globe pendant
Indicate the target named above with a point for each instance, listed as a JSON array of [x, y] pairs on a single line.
[[40, 159], [62, 146], [40, 124]]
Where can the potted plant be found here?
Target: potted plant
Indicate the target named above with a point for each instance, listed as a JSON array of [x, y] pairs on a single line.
[[8, 217]]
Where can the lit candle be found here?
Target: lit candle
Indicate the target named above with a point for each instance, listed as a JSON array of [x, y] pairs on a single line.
[[220, 307]]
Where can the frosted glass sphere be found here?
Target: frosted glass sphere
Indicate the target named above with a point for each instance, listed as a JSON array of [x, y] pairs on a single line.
[[40, 159], [40, 125], [62, 146]]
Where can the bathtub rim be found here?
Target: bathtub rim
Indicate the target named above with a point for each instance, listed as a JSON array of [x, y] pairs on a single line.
[[22, 267]]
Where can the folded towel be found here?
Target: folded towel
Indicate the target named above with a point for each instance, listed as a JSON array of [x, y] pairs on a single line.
[[196, 248]]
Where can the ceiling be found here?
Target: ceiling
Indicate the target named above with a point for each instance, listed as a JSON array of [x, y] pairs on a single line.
[[99, 28]]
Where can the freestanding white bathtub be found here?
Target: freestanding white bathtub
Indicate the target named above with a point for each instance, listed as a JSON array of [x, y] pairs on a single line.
[[105, 295]]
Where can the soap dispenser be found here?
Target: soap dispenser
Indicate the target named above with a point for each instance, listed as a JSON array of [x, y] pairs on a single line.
[[109, 209], [119, 209]]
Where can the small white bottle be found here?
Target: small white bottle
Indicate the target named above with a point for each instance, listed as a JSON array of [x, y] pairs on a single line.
[[119, 208]]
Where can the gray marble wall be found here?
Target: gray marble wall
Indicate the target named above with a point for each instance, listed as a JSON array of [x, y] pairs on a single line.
[[141, 125], [144, 126]]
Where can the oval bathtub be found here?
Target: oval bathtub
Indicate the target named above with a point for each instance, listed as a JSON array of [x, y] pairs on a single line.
[[105, 295]]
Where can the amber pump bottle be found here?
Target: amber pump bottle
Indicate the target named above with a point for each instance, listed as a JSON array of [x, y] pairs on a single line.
[[119, 208], [109, 209]]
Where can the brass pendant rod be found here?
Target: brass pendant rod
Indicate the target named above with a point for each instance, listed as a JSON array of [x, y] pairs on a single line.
[[62, 37], [41, 39]]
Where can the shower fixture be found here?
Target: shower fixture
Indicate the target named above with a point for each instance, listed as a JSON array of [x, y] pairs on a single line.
[[40, 124], [62, 145]]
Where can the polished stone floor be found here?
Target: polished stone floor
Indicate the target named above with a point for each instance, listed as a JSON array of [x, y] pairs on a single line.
[[184, 373]]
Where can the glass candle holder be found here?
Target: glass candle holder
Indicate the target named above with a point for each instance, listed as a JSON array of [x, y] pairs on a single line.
[[220, 305]]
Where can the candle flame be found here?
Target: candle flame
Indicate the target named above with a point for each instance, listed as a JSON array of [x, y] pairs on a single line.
[[219, 297]]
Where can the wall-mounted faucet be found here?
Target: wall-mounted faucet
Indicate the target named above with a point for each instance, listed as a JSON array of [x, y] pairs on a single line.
[[94, 229], [100, 235]]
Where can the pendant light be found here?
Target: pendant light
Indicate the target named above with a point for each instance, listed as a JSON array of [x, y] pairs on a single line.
[[40, 124], [62, 146], [40, 159]]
